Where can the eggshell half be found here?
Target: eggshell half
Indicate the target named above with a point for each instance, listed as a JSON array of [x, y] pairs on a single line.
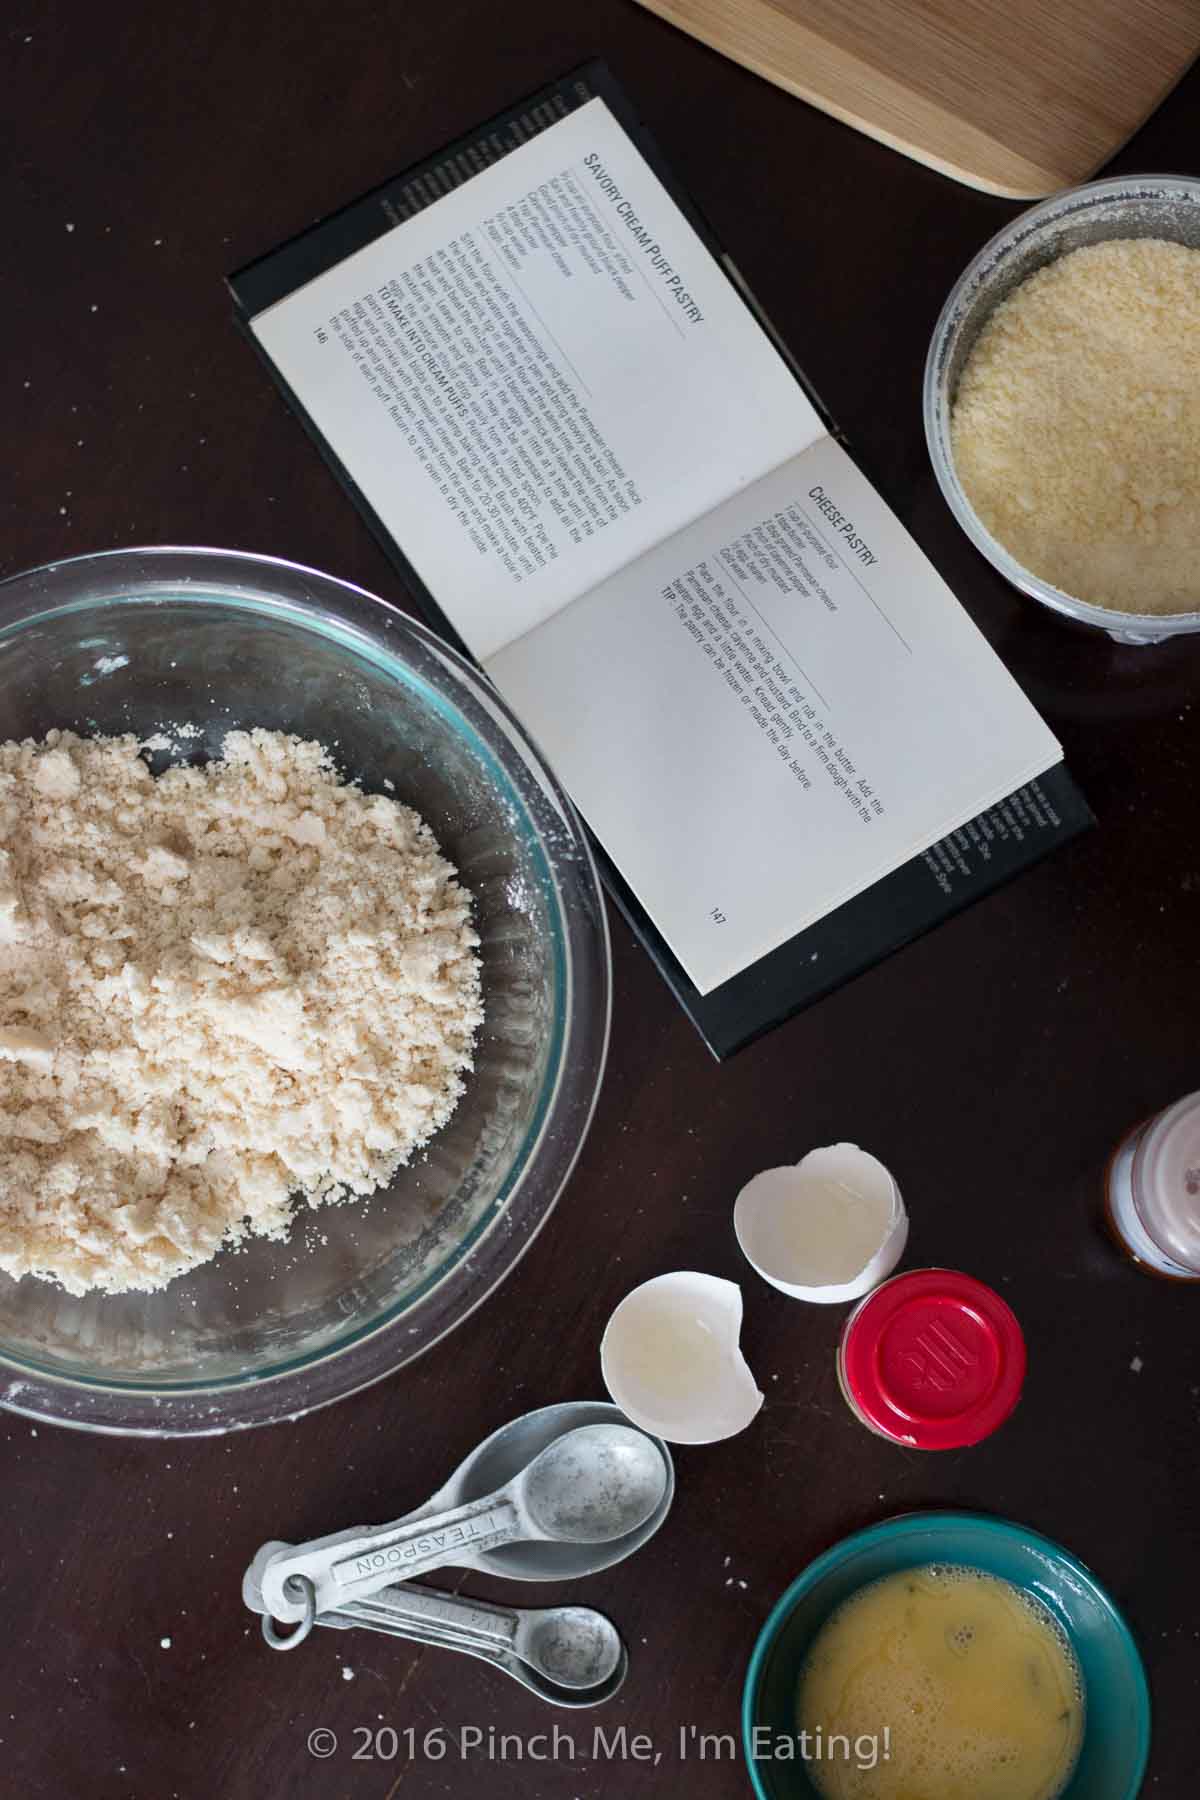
[[828, 1229], [671, 1359]]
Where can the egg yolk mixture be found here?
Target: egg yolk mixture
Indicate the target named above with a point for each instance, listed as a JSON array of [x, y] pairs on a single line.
[[970, 1678]]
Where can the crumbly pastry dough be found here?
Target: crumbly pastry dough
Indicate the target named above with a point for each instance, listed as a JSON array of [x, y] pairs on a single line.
[[1076, 428], [220, 988]]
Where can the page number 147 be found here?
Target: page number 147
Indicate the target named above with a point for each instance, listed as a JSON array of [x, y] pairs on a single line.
[[717, 916]]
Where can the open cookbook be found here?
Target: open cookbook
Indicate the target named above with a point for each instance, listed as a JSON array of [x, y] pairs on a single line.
[[550, 393]]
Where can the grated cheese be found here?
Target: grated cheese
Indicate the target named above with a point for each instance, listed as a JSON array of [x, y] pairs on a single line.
[[1076, 428]]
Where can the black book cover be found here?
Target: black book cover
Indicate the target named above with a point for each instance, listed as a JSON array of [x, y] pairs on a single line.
[[961, 868]]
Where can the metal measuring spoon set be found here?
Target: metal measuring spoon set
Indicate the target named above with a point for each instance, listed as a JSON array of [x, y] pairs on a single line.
[[558, 1493]]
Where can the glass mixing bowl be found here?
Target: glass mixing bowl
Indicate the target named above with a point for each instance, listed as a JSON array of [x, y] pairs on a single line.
[[162, 639], [1129, 206]]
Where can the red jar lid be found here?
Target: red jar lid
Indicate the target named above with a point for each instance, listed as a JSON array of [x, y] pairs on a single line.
[[934, 1359]]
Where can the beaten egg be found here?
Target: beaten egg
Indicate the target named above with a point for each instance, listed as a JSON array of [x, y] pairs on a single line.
[[963, 1685]]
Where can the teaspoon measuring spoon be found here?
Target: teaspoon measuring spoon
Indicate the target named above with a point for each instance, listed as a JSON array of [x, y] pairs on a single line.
[[590, 1486], [570, 1655], [486, 1467]]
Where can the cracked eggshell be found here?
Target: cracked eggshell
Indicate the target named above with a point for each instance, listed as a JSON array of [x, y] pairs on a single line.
[[827, 1230], [672, 1362]]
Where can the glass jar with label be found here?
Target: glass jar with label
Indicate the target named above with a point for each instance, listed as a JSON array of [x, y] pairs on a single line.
[[1152, 1192], [933, 1360]]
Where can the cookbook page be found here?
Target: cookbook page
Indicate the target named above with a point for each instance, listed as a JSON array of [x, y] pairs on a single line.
[[770, 712], [538, 377]]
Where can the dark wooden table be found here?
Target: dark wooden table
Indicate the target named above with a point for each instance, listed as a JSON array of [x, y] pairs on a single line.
[[991, 1066]]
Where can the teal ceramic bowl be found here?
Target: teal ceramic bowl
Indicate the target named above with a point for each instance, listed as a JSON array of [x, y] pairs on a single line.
[[1117, 1717]]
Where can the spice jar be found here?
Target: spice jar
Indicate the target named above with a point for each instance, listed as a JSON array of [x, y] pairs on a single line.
[[1152, 1192], [933, 1360]]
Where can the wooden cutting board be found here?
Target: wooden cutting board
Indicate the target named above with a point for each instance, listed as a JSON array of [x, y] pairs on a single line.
[[1019, 97]]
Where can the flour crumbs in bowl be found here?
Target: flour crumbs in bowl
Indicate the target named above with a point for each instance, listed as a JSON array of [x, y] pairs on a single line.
[[222, 990]]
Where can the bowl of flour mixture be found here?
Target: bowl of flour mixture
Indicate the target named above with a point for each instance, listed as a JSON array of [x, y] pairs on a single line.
[[304, 988], [1062, 404]]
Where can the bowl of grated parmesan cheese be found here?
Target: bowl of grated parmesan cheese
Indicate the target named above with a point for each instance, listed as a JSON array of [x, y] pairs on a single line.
[[304, 991], [1062, 404]]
